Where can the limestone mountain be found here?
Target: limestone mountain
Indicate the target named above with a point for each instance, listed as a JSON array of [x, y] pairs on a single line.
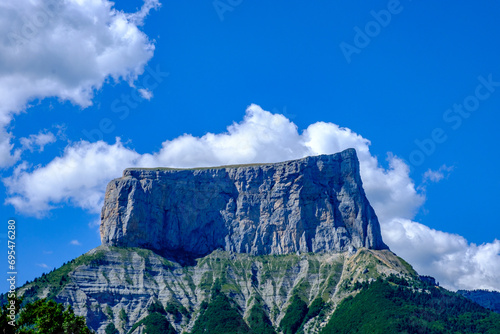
[[315, 204], [262, 248]]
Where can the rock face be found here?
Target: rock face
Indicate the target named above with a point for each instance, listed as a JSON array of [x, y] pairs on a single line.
[[315, 204]]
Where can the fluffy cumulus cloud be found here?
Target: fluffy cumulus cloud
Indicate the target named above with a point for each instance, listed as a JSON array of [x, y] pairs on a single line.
[[260, 137], [65, 49], [449, 257], [391, 191], [79, 177]]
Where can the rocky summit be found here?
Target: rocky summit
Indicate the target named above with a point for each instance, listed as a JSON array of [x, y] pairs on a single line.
[[315, 204]]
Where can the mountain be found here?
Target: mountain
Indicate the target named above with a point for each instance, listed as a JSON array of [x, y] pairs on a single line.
[[289, 248], [315, 204], [108, 282], [488, 299]]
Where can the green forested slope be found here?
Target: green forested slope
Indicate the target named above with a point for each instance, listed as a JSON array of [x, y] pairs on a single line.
[[394, 306]]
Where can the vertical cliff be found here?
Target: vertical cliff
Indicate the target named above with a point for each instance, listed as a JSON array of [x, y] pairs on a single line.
[[314, 204]]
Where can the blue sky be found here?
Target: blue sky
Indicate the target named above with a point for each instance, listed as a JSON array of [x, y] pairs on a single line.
[[90, 88]]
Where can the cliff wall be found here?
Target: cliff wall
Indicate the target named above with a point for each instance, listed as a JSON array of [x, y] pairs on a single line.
[[315, 204]]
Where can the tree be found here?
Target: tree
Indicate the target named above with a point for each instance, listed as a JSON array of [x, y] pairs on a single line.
[[111, 329], [7, 311], [46, 317], [295, 314]]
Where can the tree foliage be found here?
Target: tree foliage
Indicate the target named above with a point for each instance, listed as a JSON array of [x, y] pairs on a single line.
[[177, 310], [219, 316], [45, 317], [5, 311], [155, 323], [111, 329], [258, 320], [156, 307], [294, 316], [387, 307]]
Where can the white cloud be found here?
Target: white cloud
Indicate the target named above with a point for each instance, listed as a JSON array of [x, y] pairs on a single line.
[[448, 257], [75, 243], [39, 140], [42, 265], [80, 176], [437, 175], [65, 49], [7, 156], [145, 93], [138, 17], [390, 191], [260, 137]]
